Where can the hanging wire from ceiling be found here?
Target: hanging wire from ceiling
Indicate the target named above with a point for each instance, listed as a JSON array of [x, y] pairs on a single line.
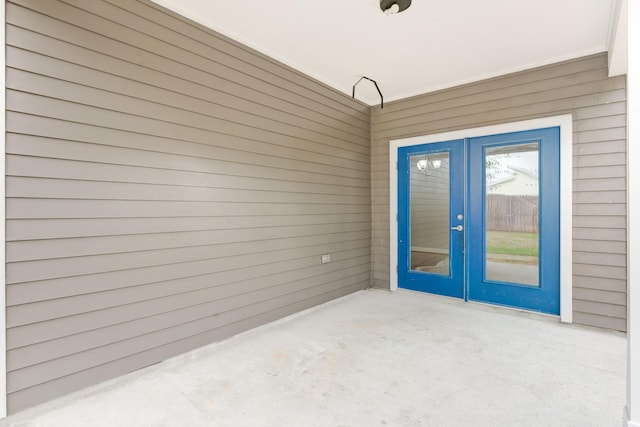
[[353, 91]]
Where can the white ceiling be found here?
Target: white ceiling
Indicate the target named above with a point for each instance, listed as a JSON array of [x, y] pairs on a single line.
[[433, 45]]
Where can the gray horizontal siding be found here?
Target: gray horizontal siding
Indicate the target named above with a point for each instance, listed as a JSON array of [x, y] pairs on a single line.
[[598, 105], [166, 188], [187, 336]]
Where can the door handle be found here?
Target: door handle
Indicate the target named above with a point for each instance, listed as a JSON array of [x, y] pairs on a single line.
[[457, 228]]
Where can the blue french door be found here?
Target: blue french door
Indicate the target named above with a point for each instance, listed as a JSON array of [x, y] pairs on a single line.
[[514, 220], [431, 218], [479, 219]]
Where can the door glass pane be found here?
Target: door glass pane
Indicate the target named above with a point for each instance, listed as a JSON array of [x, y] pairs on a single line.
[[511, 214], [429, 216]]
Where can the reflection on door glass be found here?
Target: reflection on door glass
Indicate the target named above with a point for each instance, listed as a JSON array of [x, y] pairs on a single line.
[[429, 216], [511, 204]]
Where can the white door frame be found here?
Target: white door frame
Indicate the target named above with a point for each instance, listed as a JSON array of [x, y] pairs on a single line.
[[565, 122]]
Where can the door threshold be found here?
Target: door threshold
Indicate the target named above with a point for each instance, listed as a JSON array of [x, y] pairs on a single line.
[[483, 306], [518, 311]]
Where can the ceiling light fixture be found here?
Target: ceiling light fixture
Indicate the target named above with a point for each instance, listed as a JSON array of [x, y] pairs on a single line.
[[394, 6], [423, 165]]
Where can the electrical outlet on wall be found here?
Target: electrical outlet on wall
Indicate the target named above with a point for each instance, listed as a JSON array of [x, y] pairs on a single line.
[[326, 258]]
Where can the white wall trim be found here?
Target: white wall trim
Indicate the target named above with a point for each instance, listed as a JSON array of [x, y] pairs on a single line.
[[626, 419], [565, 123], [3, 320], [632, 408], [617, 46]]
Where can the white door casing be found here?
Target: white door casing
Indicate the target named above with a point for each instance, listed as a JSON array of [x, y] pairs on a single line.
[[565, 122]]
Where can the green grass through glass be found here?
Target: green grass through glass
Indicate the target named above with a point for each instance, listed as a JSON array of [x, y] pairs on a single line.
[[512, 243]]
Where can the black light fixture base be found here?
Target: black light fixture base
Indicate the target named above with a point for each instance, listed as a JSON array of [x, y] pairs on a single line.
[[402, 4]]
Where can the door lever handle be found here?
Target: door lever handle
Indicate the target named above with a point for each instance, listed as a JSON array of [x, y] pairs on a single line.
[[457, 228]]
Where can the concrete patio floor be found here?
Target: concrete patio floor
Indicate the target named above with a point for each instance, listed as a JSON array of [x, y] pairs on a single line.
[[373, 358]]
